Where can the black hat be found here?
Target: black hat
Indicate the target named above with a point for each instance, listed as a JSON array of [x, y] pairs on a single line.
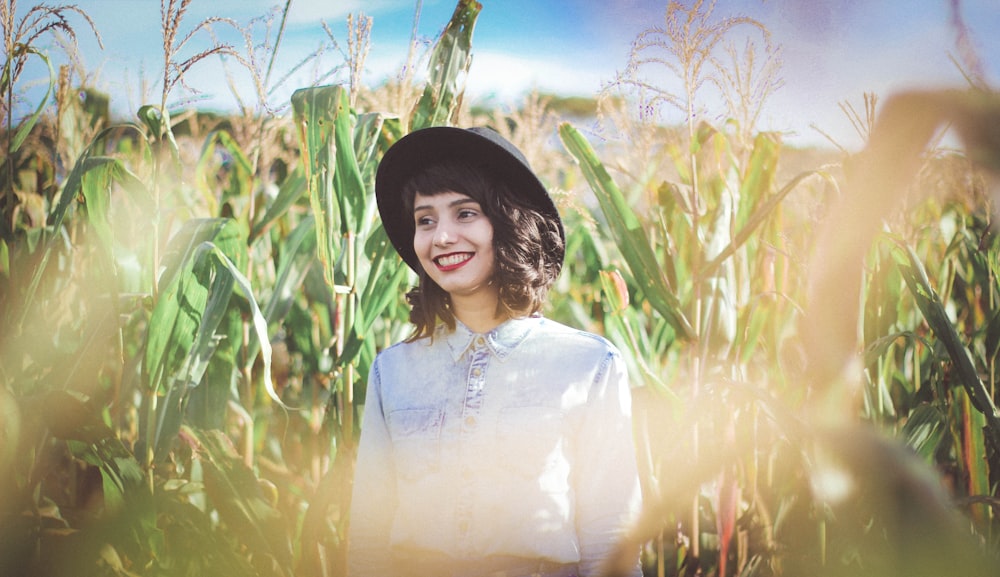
[[480, 147]]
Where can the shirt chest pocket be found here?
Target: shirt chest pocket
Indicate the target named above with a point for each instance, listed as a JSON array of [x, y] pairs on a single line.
[[416, 441], [532, 439]]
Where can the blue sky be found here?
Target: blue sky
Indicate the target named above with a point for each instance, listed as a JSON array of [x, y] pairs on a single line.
[[833, 50]]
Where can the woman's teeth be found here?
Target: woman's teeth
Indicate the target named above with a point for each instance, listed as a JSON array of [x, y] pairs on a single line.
[[452, 259]]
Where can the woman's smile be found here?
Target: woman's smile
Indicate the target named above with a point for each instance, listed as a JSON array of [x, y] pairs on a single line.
[[452, 261]]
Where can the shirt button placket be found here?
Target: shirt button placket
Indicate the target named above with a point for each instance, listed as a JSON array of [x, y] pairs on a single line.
[[472, 407]]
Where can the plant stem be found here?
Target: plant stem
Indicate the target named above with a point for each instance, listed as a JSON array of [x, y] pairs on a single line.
[[8, 197], [696, 369]]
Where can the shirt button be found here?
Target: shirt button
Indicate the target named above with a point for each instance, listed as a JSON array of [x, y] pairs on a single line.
[[470, 421], [477, 371], [480, 341]]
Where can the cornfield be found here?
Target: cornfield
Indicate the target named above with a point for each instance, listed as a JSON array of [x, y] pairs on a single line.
[[189, 306]]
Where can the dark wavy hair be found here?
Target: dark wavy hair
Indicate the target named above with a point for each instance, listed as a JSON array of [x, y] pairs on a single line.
[[524, 243]]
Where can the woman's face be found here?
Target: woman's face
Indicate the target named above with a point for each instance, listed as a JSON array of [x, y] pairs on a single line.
[[453, 239]]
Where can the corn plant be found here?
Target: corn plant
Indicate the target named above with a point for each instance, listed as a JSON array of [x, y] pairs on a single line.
[[706, 261]]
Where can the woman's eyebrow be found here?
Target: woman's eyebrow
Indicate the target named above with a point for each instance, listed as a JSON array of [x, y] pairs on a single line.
[[454, 203], [463, 200]]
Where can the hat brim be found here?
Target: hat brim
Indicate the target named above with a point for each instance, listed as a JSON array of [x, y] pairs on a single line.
[[482, 148]]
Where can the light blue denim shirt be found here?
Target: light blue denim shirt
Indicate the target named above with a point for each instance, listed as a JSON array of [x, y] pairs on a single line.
[[516, 443]]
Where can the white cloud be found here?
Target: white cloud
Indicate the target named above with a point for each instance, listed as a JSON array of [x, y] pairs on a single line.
[[500, 76], [507, 77]]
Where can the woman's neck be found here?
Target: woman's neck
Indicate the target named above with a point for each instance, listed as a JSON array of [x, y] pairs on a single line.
[[478, 315]]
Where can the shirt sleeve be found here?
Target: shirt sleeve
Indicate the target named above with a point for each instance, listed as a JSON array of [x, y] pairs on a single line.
[[607, 479], [373, 502]]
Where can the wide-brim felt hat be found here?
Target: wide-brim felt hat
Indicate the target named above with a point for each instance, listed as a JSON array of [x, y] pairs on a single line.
[[481, 148]]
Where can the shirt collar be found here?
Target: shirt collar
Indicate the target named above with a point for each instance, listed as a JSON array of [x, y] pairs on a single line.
[[501, 341]]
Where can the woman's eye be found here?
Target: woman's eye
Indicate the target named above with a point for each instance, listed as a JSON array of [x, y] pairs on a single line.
[[467, 214], [424, 221]]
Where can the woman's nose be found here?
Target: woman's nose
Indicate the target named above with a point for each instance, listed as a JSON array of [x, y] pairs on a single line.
[[443, 235]]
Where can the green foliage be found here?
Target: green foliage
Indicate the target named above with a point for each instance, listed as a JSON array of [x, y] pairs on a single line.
[[187, 319], [714, 247], [932, 308], [628, 234]]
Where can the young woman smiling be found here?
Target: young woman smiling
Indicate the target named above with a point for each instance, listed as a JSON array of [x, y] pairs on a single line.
[[495, 442]]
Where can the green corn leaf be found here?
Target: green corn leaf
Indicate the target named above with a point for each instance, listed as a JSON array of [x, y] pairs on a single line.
[[627, 231], [29, 121], [224, 233], [315, 112], [237, 495], [350, 190], [183, 339], [208, 403], [71, 191], [177, 313], [96, 185], [878, 402], [171, 355], [934, 313], [879, 347], [241, 171], [298, 254], [289, 193], [615, 291], [925, 427], [755, 220], [212, 365], [366, 140], [973, 449], [449, 63], [98, 176], [210, 396], [384, 277], [152, 119], [759, 175], [757, 320], [157, 120], [5, 75], [224, 140], [4, 260], [170, 338], [392, 130], [367, 135], [85, 163], [991, 339], [258, 323], [122, 479]]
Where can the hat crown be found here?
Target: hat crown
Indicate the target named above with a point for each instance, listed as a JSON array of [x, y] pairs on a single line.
[[495, 137]]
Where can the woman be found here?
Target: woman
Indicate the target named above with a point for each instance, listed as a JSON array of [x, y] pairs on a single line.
[[494, 442]]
